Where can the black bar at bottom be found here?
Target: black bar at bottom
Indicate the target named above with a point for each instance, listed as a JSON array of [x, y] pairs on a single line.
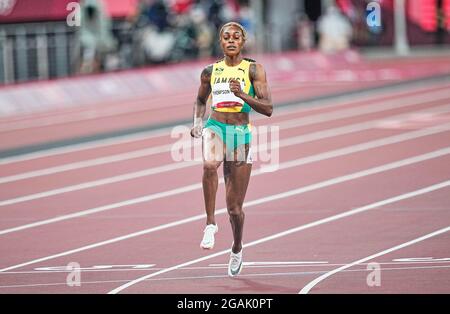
[[230, 303]]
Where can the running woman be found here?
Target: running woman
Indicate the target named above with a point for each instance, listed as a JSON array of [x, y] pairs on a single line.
[[237, 85]]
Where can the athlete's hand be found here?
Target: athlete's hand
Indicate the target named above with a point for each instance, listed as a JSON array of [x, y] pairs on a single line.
[[235, 87], [196, 131]]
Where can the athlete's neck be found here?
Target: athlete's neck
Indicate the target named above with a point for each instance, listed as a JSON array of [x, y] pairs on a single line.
[[233, 60]]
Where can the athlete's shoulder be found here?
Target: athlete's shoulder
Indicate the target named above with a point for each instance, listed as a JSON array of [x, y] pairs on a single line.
[[208, 68], [250, 60], [206, 73]]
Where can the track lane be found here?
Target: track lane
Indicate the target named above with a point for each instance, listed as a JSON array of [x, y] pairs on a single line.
[[76, 236], [40, 183], [356, 236], [131, 189], [306, 209], [426, 277]]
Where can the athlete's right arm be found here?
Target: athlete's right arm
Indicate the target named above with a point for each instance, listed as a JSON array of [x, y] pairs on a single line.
[[200, 104]]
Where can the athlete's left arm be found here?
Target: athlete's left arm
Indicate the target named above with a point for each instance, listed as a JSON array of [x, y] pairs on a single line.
[[263, 101]]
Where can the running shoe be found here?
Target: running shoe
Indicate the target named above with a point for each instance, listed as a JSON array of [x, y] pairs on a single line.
[[235, 264], [208, 237]]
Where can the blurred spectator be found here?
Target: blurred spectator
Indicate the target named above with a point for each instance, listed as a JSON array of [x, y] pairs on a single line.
[[335, 31], [441, 21], [96, 39], [204, 32], [215, 16], [181, 6], [157, 45], [185, 39], [246, 19], [153, 38], [163, 31], [304, 32], [154, 12]]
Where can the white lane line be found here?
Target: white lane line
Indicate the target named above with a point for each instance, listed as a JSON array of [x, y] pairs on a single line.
[[313, 283], [298, 273], [255, 275], [209, 267], [421, 260], [262, 264], [290, 265], [295, 140], [96, 267], [291, 231], [88, 163], [97, 183], [248, 204], [374, 107], [88, 113], [118, 140], [166, 131], [286, 165]]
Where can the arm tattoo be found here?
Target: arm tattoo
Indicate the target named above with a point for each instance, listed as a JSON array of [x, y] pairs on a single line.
[[206, 73], [205, 87], [259, 91], [252, 71]]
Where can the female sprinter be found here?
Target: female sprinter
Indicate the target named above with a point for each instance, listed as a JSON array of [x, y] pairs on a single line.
[[237, 85]]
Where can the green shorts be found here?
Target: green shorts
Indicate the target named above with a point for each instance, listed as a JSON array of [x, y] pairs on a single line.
[[232, 135]]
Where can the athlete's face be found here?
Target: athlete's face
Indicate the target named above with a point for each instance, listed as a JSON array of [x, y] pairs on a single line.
[[232, 41]]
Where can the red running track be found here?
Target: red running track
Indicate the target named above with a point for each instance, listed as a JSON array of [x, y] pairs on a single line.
[[356, 178]]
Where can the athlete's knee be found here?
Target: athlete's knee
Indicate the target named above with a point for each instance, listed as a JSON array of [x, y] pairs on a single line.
[[210, 167], [235, 210]]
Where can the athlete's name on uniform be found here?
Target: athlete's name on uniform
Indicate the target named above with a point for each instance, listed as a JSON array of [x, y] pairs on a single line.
[[232, 303], [222, 92], [226, 79]]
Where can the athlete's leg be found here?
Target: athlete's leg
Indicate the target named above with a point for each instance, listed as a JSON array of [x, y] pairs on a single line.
[[212, 158], [237, 176]]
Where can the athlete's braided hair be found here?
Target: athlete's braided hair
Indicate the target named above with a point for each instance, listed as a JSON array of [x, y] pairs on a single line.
[[244, 32]]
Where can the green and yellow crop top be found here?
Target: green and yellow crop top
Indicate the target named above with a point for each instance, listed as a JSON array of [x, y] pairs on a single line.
[[223, 100]]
